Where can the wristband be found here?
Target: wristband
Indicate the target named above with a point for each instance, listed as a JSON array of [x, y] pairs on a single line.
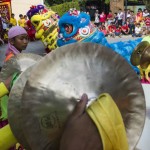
[[108, 120]]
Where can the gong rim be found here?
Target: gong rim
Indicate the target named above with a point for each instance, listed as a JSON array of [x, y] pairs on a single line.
[[137, 53], [145, 58], [14, 107]]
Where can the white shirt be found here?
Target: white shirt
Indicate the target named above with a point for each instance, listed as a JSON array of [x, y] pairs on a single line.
[[96, 18], [120, 16], [145, 14], [137, 30]]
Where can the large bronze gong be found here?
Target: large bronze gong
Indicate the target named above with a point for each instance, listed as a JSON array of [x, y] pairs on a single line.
[[18, 64], [21, 63], [62, 76]]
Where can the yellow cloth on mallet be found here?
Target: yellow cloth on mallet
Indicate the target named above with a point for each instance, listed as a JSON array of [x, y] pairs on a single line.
[[3, 89], [107, 117], [7, 139]]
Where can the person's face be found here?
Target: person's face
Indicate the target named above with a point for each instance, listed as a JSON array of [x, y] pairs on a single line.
[[20, 42], [146, 11]]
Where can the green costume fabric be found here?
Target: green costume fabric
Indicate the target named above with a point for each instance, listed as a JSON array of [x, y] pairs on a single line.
[[146, 38], [4, 100]]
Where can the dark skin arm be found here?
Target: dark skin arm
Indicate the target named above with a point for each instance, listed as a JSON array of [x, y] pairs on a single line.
[[80, 132]]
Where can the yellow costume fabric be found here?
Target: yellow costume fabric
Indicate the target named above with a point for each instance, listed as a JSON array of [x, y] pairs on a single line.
[[7, 138], [106, 115], [3, 89]]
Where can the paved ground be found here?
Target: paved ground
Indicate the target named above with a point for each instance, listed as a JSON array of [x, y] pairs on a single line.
[[37, 47], [123, 38]]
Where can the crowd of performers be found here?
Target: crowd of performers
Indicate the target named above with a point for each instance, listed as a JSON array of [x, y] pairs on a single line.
[[122, 23], [74, 26]]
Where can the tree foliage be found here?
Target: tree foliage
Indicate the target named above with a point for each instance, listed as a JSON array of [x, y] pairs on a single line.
[[57, 2], [64, 7], [147, 3]]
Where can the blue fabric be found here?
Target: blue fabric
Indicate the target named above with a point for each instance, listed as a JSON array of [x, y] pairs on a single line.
[[81, 21]]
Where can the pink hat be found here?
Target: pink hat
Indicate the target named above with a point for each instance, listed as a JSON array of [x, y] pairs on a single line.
[[16, 30]]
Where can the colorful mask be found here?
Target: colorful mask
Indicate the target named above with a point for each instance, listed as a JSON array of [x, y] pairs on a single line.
[[45, 23], [75, 26]]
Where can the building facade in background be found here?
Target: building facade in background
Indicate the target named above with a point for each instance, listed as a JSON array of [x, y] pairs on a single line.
[[22, 6], [121, 4]]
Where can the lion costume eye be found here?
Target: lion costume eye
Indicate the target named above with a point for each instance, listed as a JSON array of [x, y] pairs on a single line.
[[47, 22], [84, 31], [36, 23]]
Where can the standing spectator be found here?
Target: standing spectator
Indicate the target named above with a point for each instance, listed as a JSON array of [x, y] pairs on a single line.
[[102, 17], [5, 21], [139, 15], [145, 13], [96, 18], [120, 16], [147, 22], [110, 17], [13, 21], [115, 20], [138, 31], [21, 21], [25, 17], [132, 22], [128, 13], [5, 25]]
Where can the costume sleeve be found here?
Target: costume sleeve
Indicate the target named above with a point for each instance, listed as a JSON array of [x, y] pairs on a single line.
[[3, 89], [4, 100]]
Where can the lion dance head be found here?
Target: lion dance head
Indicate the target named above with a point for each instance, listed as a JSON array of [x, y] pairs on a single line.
[[45, 22]]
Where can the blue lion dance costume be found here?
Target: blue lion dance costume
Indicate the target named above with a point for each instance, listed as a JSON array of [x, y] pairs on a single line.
[[75, 26]]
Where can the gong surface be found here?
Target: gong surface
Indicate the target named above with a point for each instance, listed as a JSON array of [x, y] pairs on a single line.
[[137, 53], [63, 76], [18, 64], [14, 107], [145, 58]]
